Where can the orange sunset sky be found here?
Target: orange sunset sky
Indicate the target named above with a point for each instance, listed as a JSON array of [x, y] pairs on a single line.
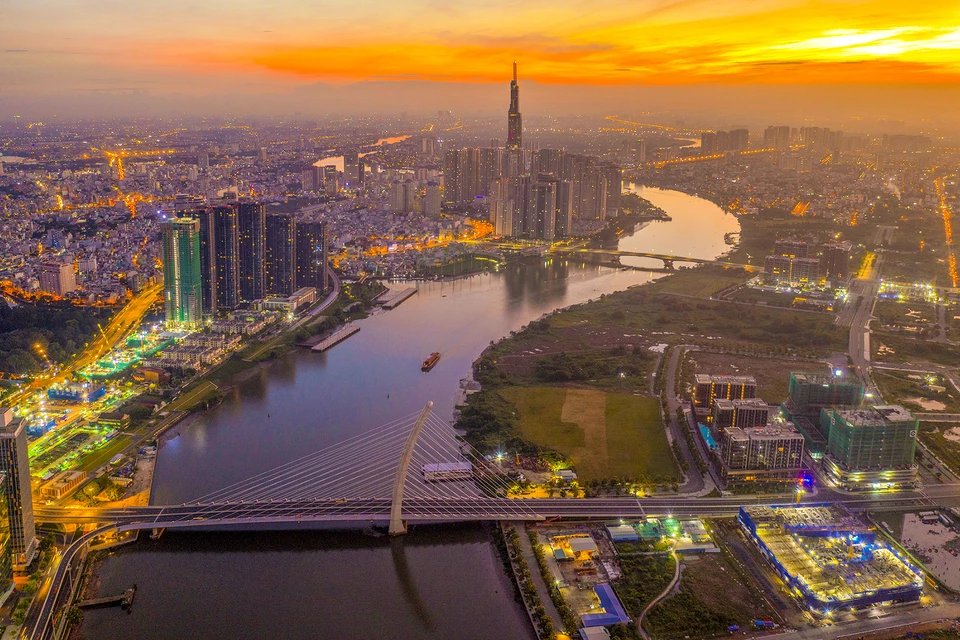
[[189, 48]]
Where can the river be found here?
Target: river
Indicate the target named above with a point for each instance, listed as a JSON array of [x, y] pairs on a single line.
[[441, 582]]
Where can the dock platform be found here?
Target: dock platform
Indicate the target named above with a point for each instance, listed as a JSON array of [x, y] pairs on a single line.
[[392, 298], [124, 600], [335, 338]]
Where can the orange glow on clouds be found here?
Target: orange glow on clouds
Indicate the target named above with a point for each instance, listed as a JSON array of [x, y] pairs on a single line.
[[618, 42]]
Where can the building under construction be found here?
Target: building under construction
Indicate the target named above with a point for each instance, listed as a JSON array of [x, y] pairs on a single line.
[[829, 558]]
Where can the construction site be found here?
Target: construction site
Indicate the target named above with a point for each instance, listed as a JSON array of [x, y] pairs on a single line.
[[829, 558]]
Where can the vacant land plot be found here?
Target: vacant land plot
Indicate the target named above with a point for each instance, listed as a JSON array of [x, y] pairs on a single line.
[[914, 391], [772, 374], [604, 435], [944, 441], [712, 596], [700, 283], [890, 347], [646, 308]]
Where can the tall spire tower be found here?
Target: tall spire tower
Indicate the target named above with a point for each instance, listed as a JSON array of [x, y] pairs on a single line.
[[514, 121]]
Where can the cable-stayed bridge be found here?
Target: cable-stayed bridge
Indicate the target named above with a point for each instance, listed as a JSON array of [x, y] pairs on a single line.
[[414, 469]]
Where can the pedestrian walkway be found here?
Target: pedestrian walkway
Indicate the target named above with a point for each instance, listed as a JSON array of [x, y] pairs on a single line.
[[542, 589]]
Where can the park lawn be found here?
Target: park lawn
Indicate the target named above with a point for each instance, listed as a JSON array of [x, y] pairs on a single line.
[[603, 435]]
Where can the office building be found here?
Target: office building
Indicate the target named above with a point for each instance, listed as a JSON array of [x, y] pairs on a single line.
[[514, 119], [311, 255], [252, 248], [741, 414], [870, 448], [281, 254], [708, 388], [182, 283], [58, 278], [19, 497]]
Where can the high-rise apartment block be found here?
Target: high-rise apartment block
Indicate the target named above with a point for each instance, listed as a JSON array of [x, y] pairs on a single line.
[[769, 454], [252, 223], [870, 448], [19, 497], [836, 260], [708, 388], [720, 141], [741, 414], [182, 282], [58, 278], [281, 254], [311, 259], [776, 137]]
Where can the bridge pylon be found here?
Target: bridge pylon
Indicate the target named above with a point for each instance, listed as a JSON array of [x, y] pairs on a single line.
[[397, 526]]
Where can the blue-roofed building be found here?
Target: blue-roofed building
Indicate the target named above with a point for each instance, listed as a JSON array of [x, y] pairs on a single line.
[[613, 610]]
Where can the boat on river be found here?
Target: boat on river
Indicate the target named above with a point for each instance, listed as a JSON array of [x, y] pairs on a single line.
[[431, 361]]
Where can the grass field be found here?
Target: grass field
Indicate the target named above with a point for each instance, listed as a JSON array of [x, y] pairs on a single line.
[[202, 392], [701, 283], [604, 435], [98, 458]]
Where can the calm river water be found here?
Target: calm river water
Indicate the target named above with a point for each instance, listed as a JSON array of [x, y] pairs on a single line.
[[441, 582]]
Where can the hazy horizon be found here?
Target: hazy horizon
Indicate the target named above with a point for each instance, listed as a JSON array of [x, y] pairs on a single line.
[[859, 64]]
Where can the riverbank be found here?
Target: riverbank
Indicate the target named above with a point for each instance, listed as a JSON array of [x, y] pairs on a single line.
[[306, 402], [610, 346]]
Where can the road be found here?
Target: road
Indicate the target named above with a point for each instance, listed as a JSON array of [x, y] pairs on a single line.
[[444, 509], [118, 327], [695, 480]]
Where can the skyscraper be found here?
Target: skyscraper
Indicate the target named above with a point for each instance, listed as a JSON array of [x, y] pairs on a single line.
[[252, 245], [281, 254], [208, 261], [181, 271], [15, 465], [226, 242], [311, 255], [514, 120]]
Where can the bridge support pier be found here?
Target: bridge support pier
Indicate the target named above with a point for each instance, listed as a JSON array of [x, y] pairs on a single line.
[[668, 264], [397, 526]]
